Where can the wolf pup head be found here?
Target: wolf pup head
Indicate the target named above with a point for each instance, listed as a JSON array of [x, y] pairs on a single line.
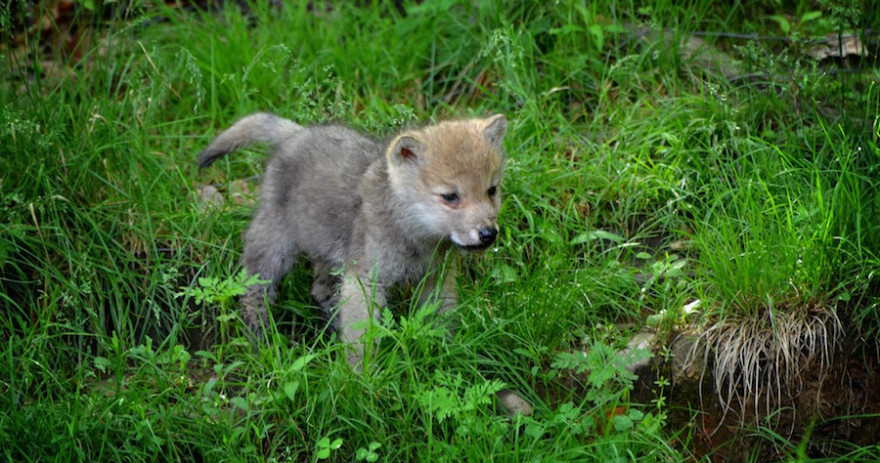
[[448, 176]]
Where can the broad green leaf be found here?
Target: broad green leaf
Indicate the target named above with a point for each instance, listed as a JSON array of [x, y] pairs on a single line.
[[810, 16], [534, 430], [784, 24], [504, 274], [598, 35], [241, 403], [622, 423], [597, 235], [102, 363], [301, 362], [290, 389]]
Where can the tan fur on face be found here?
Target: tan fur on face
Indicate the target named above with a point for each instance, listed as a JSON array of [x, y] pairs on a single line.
[[464, 158], [459, 154]]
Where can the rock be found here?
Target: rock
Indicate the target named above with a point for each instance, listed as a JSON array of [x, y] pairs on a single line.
[[688, 359], [209, 197], [638, 358], [511, 404], [639, 349], [241, 194]]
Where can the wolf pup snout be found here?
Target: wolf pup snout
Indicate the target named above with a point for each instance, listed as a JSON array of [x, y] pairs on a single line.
[[487, 235], [368, 213]]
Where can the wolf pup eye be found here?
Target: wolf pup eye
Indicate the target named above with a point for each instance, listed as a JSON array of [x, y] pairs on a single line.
[[492, 190], [450, 198]]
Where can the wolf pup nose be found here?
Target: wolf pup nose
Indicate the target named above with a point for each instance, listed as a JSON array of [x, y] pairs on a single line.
[[487, 235], [370, 214]]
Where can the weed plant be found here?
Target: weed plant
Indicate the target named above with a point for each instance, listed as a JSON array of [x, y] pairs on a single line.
[[638, 181]]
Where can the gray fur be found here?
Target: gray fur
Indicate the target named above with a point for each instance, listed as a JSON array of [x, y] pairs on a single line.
[[263, 127], [372, 209]]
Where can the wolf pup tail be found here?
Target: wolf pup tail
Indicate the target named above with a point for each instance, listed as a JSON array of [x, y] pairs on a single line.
[[263, 127]]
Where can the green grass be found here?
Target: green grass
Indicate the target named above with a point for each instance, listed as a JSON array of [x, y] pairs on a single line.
[[638, 181]]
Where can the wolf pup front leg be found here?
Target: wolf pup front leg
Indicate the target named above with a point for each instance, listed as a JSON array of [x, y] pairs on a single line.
[[360, 303]]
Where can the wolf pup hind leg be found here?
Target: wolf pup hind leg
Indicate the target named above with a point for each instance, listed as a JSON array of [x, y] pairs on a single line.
[[369, 214]]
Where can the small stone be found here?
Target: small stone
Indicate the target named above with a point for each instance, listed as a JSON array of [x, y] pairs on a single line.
[[511, 404], [209, 197], [639, 348], [687, 357], [637, 358], [241, 194]]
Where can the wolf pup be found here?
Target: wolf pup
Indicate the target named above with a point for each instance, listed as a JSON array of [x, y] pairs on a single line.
[[369, 214]]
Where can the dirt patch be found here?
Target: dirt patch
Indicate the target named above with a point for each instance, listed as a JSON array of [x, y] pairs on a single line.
[[833, 406]]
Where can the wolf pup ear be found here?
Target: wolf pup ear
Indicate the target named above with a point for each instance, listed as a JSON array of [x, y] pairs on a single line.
[[494, 129], [405, 149]]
